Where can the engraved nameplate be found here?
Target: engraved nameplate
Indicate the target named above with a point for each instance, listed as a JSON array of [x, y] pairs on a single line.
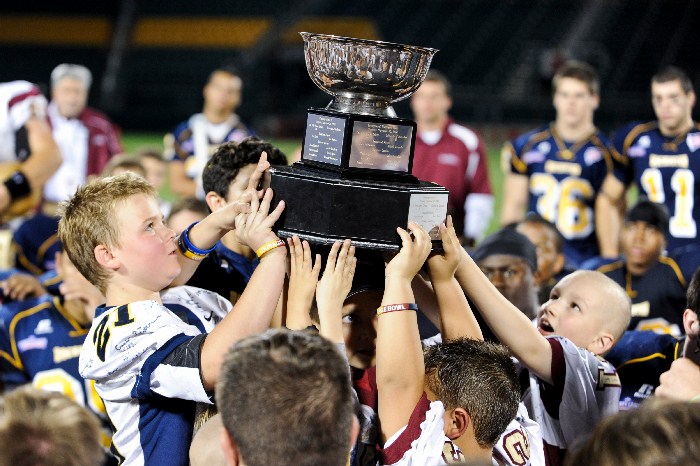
[[380, 146], [324, 139], [428, 211]]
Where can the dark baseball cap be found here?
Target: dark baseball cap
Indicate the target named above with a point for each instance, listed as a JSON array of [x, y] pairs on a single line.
[[509, 242], [651, 213]]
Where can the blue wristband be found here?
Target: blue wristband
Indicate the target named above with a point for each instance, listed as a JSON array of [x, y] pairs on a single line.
[[185, 235]]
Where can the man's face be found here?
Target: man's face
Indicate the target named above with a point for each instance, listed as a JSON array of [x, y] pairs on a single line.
[[70, 96], [672, 106], [642, 243], [574, 102], [513, 278], [430, 102], [223, 92], [549, 261]]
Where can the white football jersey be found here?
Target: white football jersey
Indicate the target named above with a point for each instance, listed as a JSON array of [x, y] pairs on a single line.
[[521, 443], [144, 357], [585, 389], [18, 101], [423, 441]]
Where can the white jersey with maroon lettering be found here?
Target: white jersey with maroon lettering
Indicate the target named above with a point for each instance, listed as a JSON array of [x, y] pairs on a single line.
[[521, 443], [422, 442], [585, 388], [18, 101]]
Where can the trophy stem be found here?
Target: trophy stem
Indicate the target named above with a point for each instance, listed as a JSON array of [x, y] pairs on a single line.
[[364, 104]]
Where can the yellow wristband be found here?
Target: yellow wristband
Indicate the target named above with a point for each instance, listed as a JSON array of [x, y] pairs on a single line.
[[267, 247], [695, 399]]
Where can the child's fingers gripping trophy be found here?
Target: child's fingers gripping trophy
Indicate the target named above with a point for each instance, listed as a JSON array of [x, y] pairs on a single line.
[[255, 229], [415, 247], [443, 266], [304, 270], [258, 176], [339, 272], [303, 278]]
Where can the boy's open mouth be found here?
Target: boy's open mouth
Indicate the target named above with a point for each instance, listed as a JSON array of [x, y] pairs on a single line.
[[545, 326]]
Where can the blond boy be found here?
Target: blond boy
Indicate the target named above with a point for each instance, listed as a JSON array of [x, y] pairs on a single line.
[[570, 386], [150, 364]]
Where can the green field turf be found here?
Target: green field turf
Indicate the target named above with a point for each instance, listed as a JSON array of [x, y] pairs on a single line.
[[135, 141]]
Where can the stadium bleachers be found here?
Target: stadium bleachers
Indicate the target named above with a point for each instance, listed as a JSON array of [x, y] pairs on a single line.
[[490, 50]]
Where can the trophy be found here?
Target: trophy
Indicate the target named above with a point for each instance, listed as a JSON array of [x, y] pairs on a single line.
[[354, 178]]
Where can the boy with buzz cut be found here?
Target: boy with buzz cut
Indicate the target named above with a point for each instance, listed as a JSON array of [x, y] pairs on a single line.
[[151, 365], [571, 388]]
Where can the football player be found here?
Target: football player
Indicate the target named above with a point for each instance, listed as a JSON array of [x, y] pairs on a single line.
[[561, 170], [663, 156]]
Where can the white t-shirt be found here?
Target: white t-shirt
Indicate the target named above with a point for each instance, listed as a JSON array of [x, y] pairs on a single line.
[[71, 135]]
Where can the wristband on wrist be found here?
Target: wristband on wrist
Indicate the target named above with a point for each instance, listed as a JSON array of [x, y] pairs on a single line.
[[695, 399], [267, 247], [188, 249], [18, 185], [397, 307]]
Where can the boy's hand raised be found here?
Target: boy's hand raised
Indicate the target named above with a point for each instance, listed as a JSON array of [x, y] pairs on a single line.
[[333, 288], [442, 267], [337, 277], [303, 278], [415, 248], [255, 228], [259, 175], [227, 215]]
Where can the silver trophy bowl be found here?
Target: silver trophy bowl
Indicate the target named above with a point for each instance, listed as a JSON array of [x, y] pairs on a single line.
[[365, 76]]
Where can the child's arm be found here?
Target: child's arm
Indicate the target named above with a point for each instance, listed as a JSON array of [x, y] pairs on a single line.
[[303, 278], [400, 367], [425, 298], [456, 317], [510, 325], [254, 309], [205, 234], [333, 288]]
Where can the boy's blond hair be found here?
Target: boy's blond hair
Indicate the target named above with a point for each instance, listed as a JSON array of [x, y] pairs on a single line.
[[47, 428], [88, 219]]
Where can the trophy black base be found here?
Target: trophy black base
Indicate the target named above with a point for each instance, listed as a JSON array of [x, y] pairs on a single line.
[[323, 208]]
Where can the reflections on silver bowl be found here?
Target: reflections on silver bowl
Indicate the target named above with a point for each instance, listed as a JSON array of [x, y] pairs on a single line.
[[365, 76]]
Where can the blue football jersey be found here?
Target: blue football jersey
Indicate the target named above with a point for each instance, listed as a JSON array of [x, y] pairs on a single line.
[[564, 179], [667, 171], [658, 297], [640, 357], [688, 260], [36, 244], [40, 343]]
